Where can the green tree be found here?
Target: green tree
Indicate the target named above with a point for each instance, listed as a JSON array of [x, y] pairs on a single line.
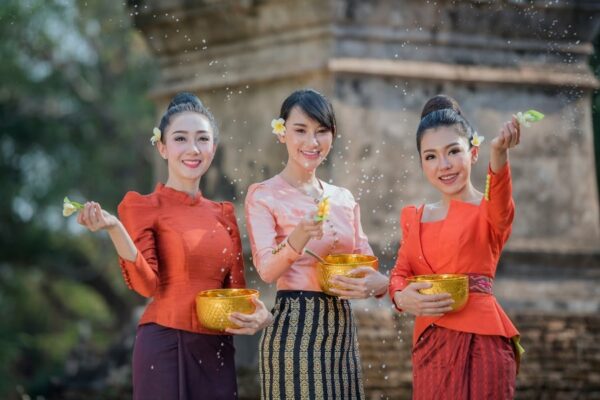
[[74, 115]]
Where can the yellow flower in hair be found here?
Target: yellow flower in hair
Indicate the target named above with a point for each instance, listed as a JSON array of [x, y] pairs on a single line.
[[476, 140], [278, 126], [70, 207], [156, 135], [323, 209], [525, 118]]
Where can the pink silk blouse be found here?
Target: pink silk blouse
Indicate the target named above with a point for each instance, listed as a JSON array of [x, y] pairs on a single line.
[[274, 208]]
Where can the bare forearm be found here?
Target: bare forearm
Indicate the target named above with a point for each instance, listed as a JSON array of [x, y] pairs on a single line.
[[298, 240], [122, 242], [498, 158]]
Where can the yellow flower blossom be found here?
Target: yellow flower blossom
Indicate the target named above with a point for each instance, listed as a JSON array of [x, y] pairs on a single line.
[[70, 207], [525, 118], [476, 140], [278, 126], [156, 135], [323, 209]]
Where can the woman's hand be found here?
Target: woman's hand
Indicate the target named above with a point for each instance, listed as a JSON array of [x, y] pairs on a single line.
[[370, 283], [249, 324], [308, 228], [431, 305], [94, 218], [509, 137]]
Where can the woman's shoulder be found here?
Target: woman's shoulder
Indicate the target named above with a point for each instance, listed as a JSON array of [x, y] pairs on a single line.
[[138, 207], [339, 192], [135, 199], [409, 212], [226, 210], [263, 189]]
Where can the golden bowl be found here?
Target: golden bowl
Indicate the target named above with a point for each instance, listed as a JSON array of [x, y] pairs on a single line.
[[214, 306], [342, 264], [455, 284]]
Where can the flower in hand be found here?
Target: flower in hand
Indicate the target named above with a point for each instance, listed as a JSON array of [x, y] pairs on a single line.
[[527, 117], [323, 210], [71, 207], [278, 126]]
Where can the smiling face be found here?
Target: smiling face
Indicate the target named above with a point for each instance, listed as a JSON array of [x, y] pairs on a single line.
[[446, 160], [189, 148], [307, 141]]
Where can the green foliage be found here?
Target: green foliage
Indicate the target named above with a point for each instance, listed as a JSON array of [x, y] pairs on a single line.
[[74, 115]]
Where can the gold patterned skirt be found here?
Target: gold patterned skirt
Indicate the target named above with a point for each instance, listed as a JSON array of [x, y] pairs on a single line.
[[311, 349]]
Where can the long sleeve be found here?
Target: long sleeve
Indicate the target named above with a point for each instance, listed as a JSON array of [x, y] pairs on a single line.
[[500, 209], [235, 278], [271, 255], [402, 268], [137, 215], [361, 242]]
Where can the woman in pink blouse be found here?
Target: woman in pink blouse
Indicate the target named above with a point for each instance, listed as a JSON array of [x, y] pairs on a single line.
[[310, 351]]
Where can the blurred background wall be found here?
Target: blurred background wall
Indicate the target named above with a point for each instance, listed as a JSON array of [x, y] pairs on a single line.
[[84, 83]]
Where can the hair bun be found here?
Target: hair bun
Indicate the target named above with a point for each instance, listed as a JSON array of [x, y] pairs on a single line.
[[441, 102], [185, 98]]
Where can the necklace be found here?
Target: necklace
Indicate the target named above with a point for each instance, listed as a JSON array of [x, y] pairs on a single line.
[[317, 199]]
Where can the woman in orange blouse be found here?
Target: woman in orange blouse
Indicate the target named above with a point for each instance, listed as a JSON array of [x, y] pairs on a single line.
[[468, 354], [172, 244]]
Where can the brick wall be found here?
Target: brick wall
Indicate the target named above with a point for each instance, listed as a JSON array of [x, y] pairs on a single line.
[[562, 359]]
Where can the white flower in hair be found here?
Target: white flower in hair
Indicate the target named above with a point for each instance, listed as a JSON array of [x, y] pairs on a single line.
[[156, 135], [476, 140], [278, 126]]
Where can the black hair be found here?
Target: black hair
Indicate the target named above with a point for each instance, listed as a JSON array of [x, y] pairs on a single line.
[[313, 104], [187, 102], [442, 110]]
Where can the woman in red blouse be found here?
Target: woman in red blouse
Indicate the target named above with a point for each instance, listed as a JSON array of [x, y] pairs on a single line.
[[172, 244], [469, 354]]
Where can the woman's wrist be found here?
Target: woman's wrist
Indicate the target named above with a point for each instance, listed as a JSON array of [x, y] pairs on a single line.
[[397, 298], [115, 227], [297, 240], [498, 158], [383, 290]]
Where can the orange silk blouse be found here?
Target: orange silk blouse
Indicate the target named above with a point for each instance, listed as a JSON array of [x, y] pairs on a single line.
[[470, 241], [185, 244]]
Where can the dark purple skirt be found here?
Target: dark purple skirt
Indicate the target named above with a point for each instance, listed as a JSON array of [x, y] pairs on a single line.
[[171, 364]]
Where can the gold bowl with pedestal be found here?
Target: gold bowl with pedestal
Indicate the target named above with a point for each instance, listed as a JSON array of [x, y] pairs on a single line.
[[342, 264], [214, 306], [457, 285]]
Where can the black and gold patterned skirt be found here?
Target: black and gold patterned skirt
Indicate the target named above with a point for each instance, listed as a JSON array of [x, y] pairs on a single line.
[[311, 349]]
